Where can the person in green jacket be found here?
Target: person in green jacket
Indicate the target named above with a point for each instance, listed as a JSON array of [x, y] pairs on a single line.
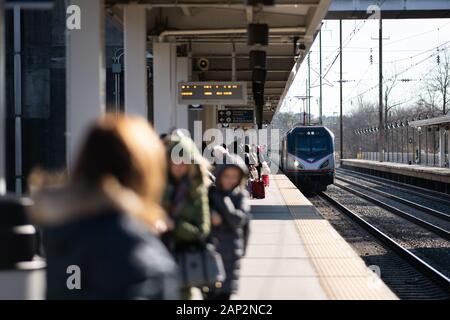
[[186, 197]]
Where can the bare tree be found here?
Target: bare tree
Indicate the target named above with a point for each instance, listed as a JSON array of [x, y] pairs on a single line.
[[389, 86], [440, 81], [428, 100], [285, 121]]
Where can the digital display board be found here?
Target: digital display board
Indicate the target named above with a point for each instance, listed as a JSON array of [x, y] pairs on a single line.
[[230, 93], [235, 116]]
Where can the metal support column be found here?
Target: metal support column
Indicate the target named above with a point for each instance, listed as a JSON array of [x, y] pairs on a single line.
[[434, 146], [407, 143], [381, 133], [309, 88], [135, 49], [441, 146], [420, 133], [233, 63], [17, 12], [320, 76], [2, 103], [426, 145], [413, 159], [448, 147], [403, 146], [164, 92], [182, 75], [341, 135], [85, 74]]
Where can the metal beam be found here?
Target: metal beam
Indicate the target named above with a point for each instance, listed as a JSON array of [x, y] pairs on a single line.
[[315, 18], [230, 4], [246, 57], [242, 70], [228, 31], [398, 9]]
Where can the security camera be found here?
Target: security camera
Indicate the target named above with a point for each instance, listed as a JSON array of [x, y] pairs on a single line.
[[203, 64], [301, 47]]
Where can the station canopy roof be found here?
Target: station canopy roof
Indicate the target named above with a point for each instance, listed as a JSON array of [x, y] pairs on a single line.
[[213, 29], [437, 121]]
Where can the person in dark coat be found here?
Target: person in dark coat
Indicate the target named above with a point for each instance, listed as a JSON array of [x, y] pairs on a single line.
[[230, 211], [101, 227], [186, 199]]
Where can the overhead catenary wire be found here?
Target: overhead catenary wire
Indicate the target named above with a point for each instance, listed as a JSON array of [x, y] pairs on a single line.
[[439, 47], [412, 61], [417, 35], [394, 76]]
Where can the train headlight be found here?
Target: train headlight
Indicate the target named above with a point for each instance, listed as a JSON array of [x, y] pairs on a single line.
[[325, 164], [297, 164]]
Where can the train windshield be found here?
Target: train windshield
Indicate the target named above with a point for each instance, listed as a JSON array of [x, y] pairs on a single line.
[[311, 143]]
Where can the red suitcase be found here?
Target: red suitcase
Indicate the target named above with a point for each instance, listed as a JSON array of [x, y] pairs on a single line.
[[258, 190], [265, 179]]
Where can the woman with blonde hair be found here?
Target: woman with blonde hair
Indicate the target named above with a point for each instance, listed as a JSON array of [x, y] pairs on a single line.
[[106, 219], [186, 198]]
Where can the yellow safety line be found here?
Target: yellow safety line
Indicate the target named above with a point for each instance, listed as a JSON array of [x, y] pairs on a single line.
[[342, 273]]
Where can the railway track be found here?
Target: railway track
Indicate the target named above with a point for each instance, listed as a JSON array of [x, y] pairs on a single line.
[[438, 198], [392, 209], [403, 200], [398, 276]]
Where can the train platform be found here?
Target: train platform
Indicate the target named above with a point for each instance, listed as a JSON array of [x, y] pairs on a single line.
[[294, 253], [434, 178]]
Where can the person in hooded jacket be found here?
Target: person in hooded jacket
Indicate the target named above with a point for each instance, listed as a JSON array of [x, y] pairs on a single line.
[[230, 210], [101, 227], [186, 198]]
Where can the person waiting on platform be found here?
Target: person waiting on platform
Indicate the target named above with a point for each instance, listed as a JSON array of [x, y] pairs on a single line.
[[186, 198], [104, 222], [230, 211]]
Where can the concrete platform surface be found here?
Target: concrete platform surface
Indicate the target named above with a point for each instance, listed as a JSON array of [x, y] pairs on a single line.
[[416, 171], [293, 253]]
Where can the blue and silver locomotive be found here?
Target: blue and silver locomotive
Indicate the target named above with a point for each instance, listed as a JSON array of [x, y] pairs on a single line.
[[307, 157]]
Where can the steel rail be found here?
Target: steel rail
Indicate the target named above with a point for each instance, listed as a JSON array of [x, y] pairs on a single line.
[[424, 224], [428, 270], [409, 203], [422, 192]]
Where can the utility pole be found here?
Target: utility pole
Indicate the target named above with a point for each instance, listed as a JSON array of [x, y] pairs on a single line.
[[303, 98], [320, 75], [309, 88], [305, 109], [381, 131], [341, 138]]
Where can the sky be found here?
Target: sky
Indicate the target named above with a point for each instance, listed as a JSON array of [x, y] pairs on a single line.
[[407, 47]]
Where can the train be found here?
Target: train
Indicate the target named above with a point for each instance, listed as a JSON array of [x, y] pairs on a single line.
[[307, 157]]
